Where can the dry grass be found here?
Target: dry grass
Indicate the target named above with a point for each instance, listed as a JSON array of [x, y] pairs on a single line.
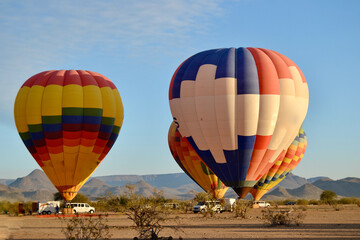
[[321, 222]]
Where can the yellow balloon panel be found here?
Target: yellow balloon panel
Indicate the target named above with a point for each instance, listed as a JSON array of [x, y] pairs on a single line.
[[284, 165], [192, 165], [62, 120]]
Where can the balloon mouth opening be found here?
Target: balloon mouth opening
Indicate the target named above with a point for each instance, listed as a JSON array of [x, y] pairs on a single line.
[[242, 191], [68, 192]]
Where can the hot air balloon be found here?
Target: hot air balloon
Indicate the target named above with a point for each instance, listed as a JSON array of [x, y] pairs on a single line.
[[239, 109], [282, 167], [68, 120], [192, 165]]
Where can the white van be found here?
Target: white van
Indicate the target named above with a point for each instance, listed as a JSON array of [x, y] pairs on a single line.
[[260, 204], [82, 208]]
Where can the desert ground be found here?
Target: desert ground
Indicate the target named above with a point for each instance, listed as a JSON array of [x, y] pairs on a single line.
[[320, 222]]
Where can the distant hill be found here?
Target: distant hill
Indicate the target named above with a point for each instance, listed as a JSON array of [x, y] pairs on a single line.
[[95, 187], [6, 181], [278, 194], [16, 194], [306, 191], [347, 187], [351, 179], [172, 180], [36, 180], [292, 181], [4, 187], [314, 179], [36, 186]]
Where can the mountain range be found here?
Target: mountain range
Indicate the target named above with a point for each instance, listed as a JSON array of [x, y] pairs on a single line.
[[37, 187]]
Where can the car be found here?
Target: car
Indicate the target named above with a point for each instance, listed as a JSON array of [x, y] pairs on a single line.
[[290, 203], [171, 205], [228, 204], [205, 206], [82, 208], [261, 204]]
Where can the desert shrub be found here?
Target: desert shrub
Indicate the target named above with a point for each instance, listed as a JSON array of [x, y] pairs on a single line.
[[89, 228], [302, 208], [328, 197], [212, 208], [146, 213], [9, 208], [337, 207], [276, 218], [186, 206], [348, 200], [208, 213], [174, 206], [287, 200], [203, 197], [241, 208], [111, 203], [345, 201], [314, 202], [102, 203], [302, 202]]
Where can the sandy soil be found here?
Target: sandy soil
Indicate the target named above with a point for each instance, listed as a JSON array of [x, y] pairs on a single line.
[[321, 222]]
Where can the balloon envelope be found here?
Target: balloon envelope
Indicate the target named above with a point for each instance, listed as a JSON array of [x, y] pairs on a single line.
[[239, 109], [68, 120], [192, 165], [282, 167]]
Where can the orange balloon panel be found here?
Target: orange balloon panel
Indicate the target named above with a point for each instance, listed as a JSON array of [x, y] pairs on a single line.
[[192, 165], [284, 164], [68, 120], [239, 108]]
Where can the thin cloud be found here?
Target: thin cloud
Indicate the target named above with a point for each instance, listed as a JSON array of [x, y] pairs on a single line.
[[39, 34]]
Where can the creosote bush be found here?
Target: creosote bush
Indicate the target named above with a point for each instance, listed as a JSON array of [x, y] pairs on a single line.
[[241, 208], [87, 228], [12, 208], [186, 206], [302, 202], [287, 218], [349, 200], [328, 197], [148, 214], [314, 202], [202, 197]]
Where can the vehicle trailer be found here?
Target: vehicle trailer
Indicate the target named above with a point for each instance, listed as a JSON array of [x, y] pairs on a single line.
[[50, 207], [229, 204]]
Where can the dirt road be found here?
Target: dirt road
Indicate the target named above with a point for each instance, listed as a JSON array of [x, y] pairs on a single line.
[[321, 222]]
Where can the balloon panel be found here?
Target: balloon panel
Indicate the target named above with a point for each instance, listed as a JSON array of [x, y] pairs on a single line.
[[68, 120], [192, 165], [239, 109], [283, 166]]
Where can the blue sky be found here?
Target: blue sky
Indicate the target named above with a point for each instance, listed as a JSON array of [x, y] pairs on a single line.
[[139, 44]]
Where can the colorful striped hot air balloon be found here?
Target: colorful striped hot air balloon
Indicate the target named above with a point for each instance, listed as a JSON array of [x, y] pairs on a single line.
[[68, 120], [282, 167], [239, 109], [192, 165]]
